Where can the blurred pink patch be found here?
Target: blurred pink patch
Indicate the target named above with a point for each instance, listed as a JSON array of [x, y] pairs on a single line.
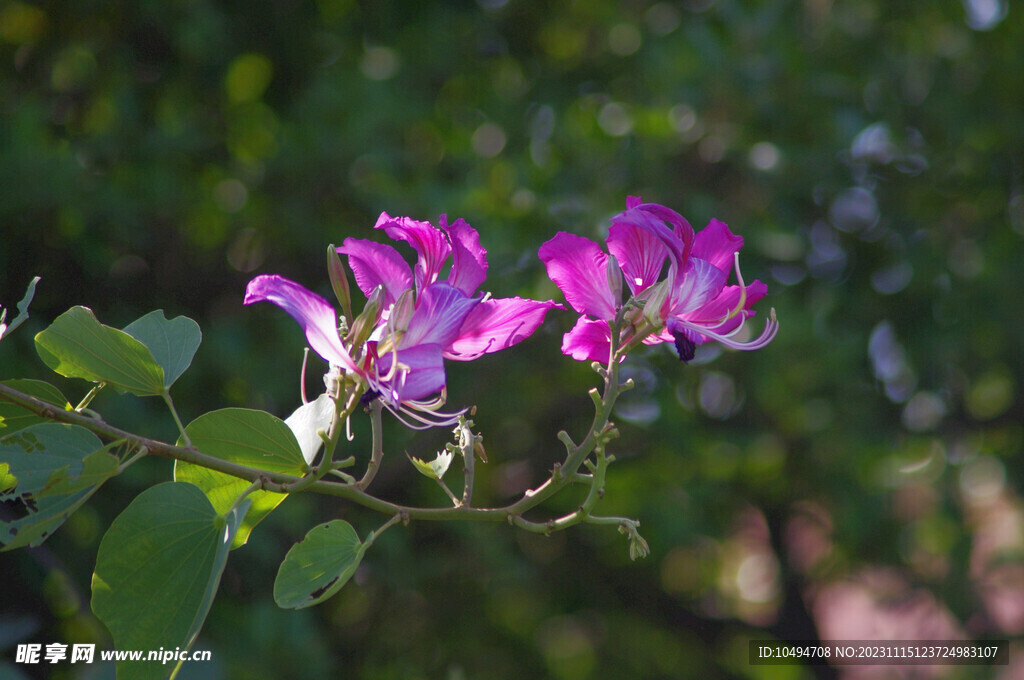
[[880, 604]]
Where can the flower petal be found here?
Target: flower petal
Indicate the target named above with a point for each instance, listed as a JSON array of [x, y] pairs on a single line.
[[496, 324], [578, 266], [652, 217], [440, 313], [717, 244], [469, 259], [697, 284], [306, 420], [375, 264], [420, 373], [428, 241], [589, 340], [640, 253], [311, 311]]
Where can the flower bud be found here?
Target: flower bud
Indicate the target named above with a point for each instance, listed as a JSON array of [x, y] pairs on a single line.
[[614, 276], [656, 296], [401, 314], [364, 324], [339, 281]]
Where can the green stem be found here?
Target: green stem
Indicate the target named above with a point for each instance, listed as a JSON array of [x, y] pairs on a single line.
[[174, 412], [582, 513], [256, 485], [132, 459], [283, 483], [377, 447], [330, 438], [87, 399], [466, 441], [343, 476], [395, 519], [455, 499]]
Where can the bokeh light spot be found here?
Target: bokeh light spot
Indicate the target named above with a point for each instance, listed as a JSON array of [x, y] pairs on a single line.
[[231, 195], [380, 63], [982, 480], [248, 77], [488, 140], [73, 68], [765, 156], [892, 279], [662, 18], [624, 39], [854, 210], [984, 15], [990, 396], [615, 120], [21, 23]]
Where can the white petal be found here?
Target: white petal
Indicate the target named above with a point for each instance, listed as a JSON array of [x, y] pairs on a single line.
[[307, 419]]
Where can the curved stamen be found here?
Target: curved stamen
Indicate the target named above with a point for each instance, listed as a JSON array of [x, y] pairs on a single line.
[[743, 293], [302, 376], [771, 327], [424, 423], [434, 404]]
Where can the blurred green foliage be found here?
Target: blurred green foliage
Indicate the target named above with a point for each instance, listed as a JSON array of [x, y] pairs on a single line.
[[159, 154]]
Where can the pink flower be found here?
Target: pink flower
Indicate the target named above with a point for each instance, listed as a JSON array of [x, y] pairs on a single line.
[[420, 320], [677, 277]]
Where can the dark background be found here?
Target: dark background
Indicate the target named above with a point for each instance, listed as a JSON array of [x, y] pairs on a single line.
[[859, 478]]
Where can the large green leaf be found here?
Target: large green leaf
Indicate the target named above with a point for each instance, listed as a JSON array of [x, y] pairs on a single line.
[[76, 345], [173, 343], [14, 417], [319, 565], [247, 437], [51, 469], [223, 490], [158, 569]]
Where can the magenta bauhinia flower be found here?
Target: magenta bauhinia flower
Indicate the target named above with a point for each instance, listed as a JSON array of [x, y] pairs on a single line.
[[420, 319], [677, 280]]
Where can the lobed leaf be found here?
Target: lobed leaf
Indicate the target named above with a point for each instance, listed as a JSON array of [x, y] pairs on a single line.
[[51, 470], [247, 437], [173, 342], [76, 345], [223, 490], [14, 417], [158, 570], [319, 565]]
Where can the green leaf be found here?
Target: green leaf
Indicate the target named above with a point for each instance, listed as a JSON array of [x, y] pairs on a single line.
[[319, 565], [247, 437], [76, 345], [436, 468], [8, 482], [223, 490], [56, 468], [14, 417], [97, 467], [173, 343], [158, 569], [22, 309]]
